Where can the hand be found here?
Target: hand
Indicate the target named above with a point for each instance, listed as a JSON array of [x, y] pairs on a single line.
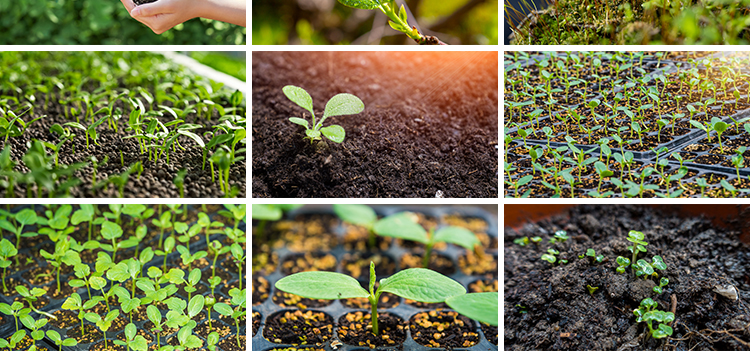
[[162, 15]]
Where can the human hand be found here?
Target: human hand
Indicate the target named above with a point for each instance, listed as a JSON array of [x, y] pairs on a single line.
[[162, 15]]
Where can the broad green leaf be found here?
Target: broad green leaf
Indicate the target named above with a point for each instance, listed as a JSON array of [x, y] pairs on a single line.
[[97, 282], [343, 104], [118, 273], [361, 4], [300, 121], [321, 285], [153, 314], [5, 308], [479, 306], [139, 344], [72, 303], [7, 249], [226, 311], [360, 215], [111, 230], [658, 263], [26, 217], [299, 96], [457, 235], [423, 285], [335, 133], [401, 225], [130, 331], [71, 342], [195, 276], [55, 336], [196, 305]]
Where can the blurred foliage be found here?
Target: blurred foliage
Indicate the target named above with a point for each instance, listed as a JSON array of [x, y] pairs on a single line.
[[100, 22], [569, 22], [223, 62], [329, 22]]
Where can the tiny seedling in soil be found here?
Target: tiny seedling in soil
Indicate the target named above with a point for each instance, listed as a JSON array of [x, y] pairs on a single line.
[[662, 282], [7, 251], [403, 225], [341, 104], [591, 289], [648, 313], [592, 253], [559, 237], [421, 285], [478, 306], [55, 337]]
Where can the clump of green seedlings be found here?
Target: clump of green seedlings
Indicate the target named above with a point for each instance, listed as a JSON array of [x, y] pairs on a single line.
[[341, 104], [592, 254], [419, 284], [648, 313], [551, 257], [404, 225]]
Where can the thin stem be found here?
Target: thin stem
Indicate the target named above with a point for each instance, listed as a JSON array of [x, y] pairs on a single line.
[[374, 314]]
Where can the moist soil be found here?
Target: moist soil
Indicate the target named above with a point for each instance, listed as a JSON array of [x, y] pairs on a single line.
[[429, 126], [299, 328], [356, 329], [549, 308], [230, 343], [443, 329]]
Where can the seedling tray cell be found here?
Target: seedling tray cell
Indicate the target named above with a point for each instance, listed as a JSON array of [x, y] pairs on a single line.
[[395, 251]]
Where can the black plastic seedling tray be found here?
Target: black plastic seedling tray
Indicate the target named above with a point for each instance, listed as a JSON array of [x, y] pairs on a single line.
[[336, 309], [55, 304]]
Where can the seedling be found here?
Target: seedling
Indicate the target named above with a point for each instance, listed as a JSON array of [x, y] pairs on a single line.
[[521, 241], [238, 300], [739, 161], [623, 262], [559, 237], [637, 238], [421, 285], [239, 256], [74, 303], [550, 256], [154, 316], [193, 278], [478, 306], [35, 327], [132, 342], [662, 282], [647, 313], [359, 215], [7, 251], [341, 104], [16, 310], [403, 225], [209, 303], [397, 20], [103, 323], [163, 222], [213, 339], [592, 253], [55, 336], [646, 269], [111, 231], [25, 217], [31, 297], [591, 289], [168, 247]]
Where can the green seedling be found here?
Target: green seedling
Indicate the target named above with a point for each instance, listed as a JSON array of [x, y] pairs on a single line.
[[111, 231], [63, 255], [205, 222], [31, 297], [193, 279], [648, 313], [591, 289], [404, 226], [168, 247], [341, 104], [421, 285], [739, 161], [74, 303], [16, 310], [132, 341], [482, 307], [13, 340], [55, 337], [186, 338], [216, 249], [559, 237], [86, 213], [397, 18], [239, 256], [35, 327], [154, 316], [163, 222], [209, 303], [646, 269], [179, 181], [637, 238], [213, 339], [359, 215], [590, 252], [25, 217], [521, 241], [550, 256], [623, 262], [188, 258], [7, 251], [662, 282], [238, 300], [103, 323]]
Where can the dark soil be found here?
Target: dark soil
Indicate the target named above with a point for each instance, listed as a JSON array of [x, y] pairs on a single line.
[[549, 308], [355, 329], [230, 343], [92, 334], [429, 125], [443, 329], [297, 327], [256, 322]]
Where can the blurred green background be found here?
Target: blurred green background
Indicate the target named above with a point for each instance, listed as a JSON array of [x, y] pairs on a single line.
[[100, 22], [232, 63], [329, 22]]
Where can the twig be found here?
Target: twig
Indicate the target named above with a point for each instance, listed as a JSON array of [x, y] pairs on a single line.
[[674, 307]]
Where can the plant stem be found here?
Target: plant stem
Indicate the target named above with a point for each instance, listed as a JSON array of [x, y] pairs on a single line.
[[5, 288], [426, 257], [374, 314]]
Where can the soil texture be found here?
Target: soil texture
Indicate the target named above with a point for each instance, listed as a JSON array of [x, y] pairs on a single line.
[[429, 127], [548, 306]]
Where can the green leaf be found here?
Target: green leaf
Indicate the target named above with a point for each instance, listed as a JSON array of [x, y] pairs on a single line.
[[335, 133], [70, 342], [195, 276], [300, 121], [193, 342], [111, 230], [401, 225], [361, 4], [226, 311], [299, 96], [97, 282], [321, 285], [343, 104], [153, 314], [196, 305], [55, 336], [645, 267], [130, 331], [478, 306], [5, 308], [26, 217], [658, 263], [457, 235], [139, 344], [423, 285], [213, 338], [361, 215], [72, 303]]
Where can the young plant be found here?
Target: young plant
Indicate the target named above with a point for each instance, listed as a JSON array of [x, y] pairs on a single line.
[[154, 316], [55, 337], [238, 300], [482, 306], [212, 340], [132, 341], [646, 269], [423, 285], [168, 247], [163, 222], [16, 310], [25, 217], [639, 245], [403, 225], [551, 258], [592, 253], [341, 104], [662, 282], [74, 303], [193, 278], [648, 313], [397, 18], [103, 323], [239, 257], [31, 297], [559, 237], [35, 327], [7, 251], [739, 161], [358, 215]]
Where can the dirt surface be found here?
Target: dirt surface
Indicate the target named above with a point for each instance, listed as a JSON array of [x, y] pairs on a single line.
[[430, 124], [549, 308]]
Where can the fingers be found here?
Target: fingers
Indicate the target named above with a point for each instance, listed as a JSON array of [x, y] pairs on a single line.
[[129, 5], [153, 9]]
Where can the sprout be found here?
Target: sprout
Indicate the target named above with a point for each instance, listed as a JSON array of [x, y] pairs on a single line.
[[636, 238], [550, 256], [662, 282], [591, 289], [623, 262], [133, 342], [560, 236], [590, 252]]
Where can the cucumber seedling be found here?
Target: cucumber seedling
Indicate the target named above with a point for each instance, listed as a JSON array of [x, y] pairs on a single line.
[[7, 251], [341, 104], [403, 226], [421, 285], [359, 215]]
